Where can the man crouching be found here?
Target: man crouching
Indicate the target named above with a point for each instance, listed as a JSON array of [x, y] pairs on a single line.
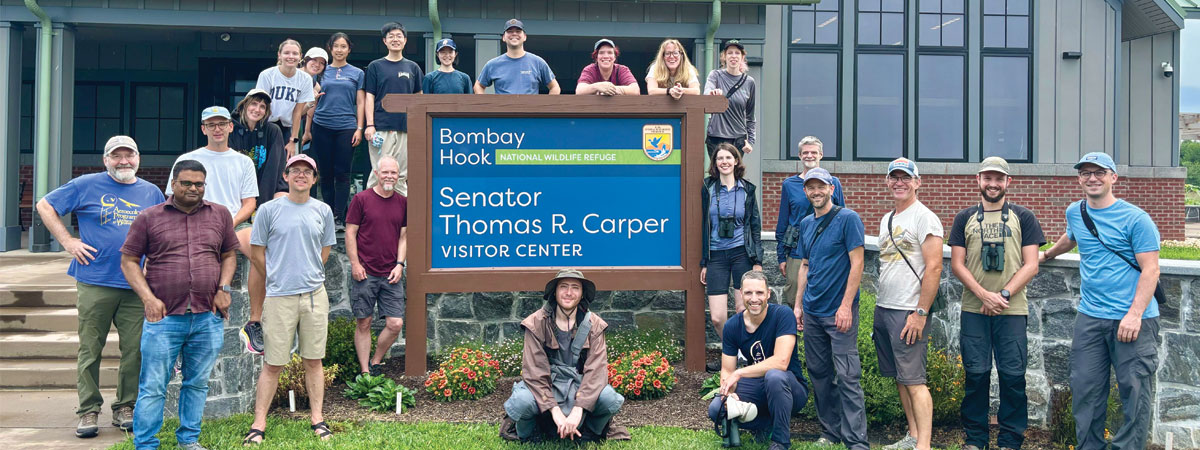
[[564, 390], [764, 394]]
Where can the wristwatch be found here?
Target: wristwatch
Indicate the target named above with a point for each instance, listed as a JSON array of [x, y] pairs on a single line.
[[295, 140], [922, 312], [1004, 293], [227, 288], [402, 263]]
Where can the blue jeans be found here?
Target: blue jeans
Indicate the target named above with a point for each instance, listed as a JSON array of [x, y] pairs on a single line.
[[778, 395], [198, 337]]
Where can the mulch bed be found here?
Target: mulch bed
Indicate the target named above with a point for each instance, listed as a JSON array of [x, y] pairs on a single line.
[[681, 408]]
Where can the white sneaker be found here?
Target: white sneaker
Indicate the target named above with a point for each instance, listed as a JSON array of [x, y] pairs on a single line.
[[909, 442], [741, 411]]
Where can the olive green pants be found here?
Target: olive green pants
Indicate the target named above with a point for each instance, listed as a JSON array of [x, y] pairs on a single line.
[[99, 308]]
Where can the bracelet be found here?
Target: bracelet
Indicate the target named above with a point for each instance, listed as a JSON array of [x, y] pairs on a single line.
[[370, 126], [402, 263]]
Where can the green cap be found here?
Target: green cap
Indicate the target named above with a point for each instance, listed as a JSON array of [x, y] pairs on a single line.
[[993, 164]]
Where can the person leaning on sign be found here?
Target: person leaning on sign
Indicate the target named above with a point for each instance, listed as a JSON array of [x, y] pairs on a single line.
[[105, 204], [516, 71], [736, 125], [993, 251], [672, 73], [564, 389], [446, 79], [1117, 324], [604, 76], [732, 243]]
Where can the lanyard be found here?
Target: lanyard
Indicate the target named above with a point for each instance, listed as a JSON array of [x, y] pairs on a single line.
[[718, 195], [1003, 221]]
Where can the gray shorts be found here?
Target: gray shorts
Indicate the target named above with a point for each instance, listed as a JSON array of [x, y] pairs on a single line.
[[372, 290], [897, 359]]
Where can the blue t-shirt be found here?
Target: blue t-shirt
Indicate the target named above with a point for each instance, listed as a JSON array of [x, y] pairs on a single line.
[[338, 108], [794, 206], [524, 75], [385, 77], [1108, 283], [104, 209], [438, 82], [727, 203], [760, 345], [828, 260]]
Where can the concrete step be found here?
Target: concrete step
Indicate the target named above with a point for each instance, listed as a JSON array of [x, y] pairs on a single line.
[[51, 373], [46, 345], [38, 319], [32, 297]]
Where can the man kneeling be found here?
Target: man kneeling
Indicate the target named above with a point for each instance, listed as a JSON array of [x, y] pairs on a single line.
[[765, 394], [564, 390]]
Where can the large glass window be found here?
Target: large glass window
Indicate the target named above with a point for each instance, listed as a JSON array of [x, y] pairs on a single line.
[[97, 115], [27, 117], [813, 92], [815, 24], [879, 106], [1006, 115], [942, 23], [881, 22], [158, 117], [941, 107], [1006, 24]]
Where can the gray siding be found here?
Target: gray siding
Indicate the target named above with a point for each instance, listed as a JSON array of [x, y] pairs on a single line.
[[1148, 101]]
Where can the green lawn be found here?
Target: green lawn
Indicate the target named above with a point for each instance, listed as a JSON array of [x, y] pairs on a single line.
[[1167, 251], [293, 434]]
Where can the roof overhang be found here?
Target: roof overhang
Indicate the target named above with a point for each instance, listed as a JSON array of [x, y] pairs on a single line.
[[1141, 18]]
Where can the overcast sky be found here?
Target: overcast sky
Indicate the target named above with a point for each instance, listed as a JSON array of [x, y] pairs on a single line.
[[1188, 69]]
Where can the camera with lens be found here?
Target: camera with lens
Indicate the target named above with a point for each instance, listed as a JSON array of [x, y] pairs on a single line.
[[726, 226], [791, 236], [992, 256]]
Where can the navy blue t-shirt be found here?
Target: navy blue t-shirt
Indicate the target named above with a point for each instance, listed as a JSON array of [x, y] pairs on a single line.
[[760, 345], [391, 77], [438, 82], [828, 260]]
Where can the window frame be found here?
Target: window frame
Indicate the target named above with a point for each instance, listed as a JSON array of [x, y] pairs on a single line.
[[185, 87], [1028, 99], [836, 49], [983, 15], [904, 31], [904, 98], [122, 116], [943, 50]]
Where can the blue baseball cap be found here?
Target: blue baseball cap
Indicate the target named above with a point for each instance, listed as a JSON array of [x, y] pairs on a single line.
[[445, 43], [1098, 158], [514, 23], [818, 173], [214, 111], [904, 165]]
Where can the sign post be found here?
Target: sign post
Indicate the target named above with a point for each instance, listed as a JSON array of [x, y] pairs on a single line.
[[506, 189]]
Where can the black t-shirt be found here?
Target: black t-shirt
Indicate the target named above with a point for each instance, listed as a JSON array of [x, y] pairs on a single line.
[[760, 345], [391, 77]]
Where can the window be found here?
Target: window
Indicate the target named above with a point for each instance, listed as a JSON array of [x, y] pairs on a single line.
[[26, 117], [158, 118], [1006, 115], [941, 107], [942, 23], [815, 24], [813, 101], [98, 115], [879, 106], [881, 22], [1006, 24]]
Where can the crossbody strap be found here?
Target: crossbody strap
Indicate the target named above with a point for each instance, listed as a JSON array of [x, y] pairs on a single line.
[[1091, 226], [823, 225], [901, 252], [736, 86]]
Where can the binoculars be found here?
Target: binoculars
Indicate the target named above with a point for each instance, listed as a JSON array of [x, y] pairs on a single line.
[[992, 256], [733, 412], [791, 236], [726, 226]]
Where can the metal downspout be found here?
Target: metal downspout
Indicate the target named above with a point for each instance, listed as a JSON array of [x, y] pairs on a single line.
[[714, 22], [41, 147], [434, 19]]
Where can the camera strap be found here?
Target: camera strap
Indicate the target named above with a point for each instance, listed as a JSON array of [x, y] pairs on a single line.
[[717, 193], [1003, 221], [833, 212], [897, 247], [1159, 293]]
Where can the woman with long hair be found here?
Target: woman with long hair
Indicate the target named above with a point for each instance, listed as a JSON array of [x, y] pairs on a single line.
[[736, 125], [732, 242], [672, 73], [604, 76], [337, 125], [288, 87]]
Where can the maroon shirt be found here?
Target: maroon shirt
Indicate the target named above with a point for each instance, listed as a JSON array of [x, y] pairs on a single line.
[[183, 252], [379, 222], [620, 76]]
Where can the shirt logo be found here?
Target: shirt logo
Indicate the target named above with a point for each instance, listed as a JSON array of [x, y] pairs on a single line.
[[527, 72], [404, 75], [756, 352], [117, 211]]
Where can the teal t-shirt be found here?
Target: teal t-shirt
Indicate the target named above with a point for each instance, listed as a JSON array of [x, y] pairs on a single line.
[[438, 82], [1108, 283]]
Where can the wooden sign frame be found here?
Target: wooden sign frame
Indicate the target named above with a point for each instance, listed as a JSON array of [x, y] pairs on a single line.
[[423, 280]]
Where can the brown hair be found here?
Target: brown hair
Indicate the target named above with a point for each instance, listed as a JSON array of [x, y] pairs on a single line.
[[285, 43], [662, 74], [739, 169], [240, 110]]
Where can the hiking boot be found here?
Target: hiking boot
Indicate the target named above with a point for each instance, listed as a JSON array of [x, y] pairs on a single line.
[[192, 446], [87, 426], [123, 418], [252, 336], [909, 442]]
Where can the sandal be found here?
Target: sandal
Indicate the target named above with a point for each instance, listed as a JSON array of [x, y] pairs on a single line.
[[254, 433], [322, 430]]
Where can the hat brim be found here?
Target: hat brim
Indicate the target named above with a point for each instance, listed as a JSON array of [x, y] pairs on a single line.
[[589, 288]]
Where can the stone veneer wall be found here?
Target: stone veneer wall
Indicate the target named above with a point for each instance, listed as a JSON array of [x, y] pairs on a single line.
[[493, 316]]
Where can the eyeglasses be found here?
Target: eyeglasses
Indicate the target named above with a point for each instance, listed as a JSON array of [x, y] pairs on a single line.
[[115, 157], [215, 125], [1083, 175], [190, 184], [305, 172], [394, 36], [671, 54], [901, 178]]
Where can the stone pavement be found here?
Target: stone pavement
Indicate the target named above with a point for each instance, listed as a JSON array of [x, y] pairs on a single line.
[[36, 419]]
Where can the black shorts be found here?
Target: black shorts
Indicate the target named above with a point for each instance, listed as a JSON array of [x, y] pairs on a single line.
[[725, 266]]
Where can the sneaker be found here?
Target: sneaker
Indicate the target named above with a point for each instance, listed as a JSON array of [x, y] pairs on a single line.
[[179, 365], [971, 447], [252, 336], [740, 411], [192, 446], [909, 442], [376, 369], [87, 426], [823, 441], [339, 225], [123, 418]]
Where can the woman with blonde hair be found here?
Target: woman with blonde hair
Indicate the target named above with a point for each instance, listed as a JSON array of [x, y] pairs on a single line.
[[672, 73], [288, 86]]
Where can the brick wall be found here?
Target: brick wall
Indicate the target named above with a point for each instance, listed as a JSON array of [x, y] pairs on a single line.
[[946, 195], [156, 175]]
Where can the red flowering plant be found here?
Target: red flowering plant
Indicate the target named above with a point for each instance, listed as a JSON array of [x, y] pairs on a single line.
[[466, 374], [640, 375]]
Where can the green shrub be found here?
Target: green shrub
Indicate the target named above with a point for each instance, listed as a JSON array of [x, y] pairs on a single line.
[[1189, 157], [378, 393], [508, 353], [339, 347], [656, 340], [710, 387], [292, 379], [467, 374], [1062, 419], [945, 377]]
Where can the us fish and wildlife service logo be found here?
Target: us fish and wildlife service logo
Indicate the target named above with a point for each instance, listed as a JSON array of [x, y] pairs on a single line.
[[656, 141]]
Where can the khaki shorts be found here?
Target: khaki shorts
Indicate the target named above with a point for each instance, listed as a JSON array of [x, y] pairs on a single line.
[[395, 144], [306, 315]]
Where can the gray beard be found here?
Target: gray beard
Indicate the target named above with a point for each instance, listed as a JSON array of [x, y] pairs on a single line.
[[123, 175]]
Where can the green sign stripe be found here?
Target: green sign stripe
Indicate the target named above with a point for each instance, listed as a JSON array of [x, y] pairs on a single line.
[[581, 157]]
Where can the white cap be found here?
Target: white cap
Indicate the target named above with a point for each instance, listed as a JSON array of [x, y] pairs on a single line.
[[317, 52]]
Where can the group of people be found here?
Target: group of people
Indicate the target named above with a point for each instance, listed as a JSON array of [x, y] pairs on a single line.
[[994, 253]]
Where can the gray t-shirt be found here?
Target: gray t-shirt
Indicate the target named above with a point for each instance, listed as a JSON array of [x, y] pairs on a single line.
[[737, 121], [230, 177], [294, 235]]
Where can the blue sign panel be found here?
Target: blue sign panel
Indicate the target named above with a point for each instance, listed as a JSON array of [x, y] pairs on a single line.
[[547, 192]]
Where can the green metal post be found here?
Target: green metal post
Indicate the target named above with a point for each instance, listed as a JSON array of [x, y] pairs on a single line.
[[714, 22], [436, 21], [39, 237]]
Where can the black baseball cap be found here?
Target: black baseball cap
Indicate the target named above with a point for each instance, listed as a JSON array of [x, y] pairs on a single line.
[[733, 43], [514, 23]]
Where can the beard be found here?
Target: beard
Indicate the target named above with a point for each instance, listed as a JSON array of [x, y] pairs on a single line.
[[123, 174], [816, 205], [991, 199], [811, 164], [387, 187]]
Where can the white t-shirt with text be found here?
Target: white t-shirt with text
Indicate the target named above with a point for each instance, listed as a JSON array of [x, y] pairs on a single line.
[[285, 92], [898, 287], [229, 177]]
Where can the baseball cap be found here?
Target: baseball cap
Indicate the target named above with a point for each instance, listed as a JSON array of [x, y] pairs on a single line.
[[513, 23], [259, 92], [300, 157], [1098, 158], [993, 164], [317, 52], [903, 165], [602, 42], [214, 111], [733, 43], [445, 43], [119, 142], [818, 173]]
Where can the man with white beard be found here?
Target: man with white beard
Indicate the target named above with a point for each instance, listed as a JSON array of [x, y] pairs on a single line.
[[375, 244], [105, 204]]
